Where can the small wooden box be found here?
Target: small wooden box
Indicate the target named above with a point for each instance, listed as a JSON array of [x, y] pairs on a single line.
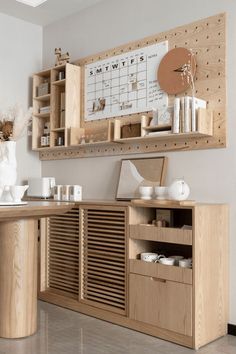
[[43, 89], [131, 131]]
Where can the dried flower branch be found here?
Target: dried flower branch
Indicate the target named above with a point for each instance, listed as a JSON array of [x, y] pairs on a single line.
[[186, 71], [13, 123]]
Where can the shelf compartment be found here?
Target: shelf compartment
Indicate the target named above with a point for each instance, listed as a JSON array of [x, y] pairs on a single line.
[[161, 271], [161, 234], [43, 98]]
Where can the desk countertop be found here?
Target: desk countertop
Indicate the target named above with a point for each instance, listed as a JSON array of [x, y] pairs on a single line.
[[35, 210]]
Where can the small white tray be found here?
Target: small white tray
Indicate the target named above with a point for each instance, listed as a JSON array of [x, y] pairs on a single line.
[[12, 203]]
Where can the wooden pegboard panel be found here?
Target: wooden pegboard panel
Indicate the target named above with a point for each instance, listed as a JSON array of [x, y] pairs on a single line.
[[207, 39]]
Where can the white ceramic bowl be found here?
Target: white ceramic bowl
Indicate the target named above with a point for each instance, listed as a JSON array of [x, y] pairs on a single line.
[[149, 256], [145, 192], [177, 259], [167, 261], [17, 192], [161, 192], [185, 263]]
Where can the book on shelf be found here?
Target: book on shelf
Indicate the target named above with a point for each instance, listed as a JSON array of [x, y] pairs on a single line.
[[185, 114]]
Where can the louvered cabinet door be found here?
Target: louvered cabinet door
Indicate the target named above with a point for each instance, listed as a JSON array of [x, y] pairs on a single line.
[[63, 253], [104, 258]]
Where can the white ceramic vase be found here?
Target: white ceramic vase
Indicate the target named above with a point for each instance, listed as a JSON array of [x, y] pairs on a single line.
[[8, 165], [178, 190]]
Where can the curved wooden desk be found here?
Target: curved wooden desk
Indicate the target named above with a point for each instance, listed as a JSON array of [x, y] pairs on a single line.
[[18, 265]]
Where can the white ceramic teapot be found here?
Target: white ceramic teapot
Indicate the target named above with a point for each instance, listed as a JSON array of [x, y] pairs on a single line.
[[178, 190]]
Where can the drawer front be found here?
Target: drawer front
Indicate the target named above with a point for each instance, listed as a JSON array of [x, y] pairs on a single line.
[[157, 270], [161, 234], [161, 303]]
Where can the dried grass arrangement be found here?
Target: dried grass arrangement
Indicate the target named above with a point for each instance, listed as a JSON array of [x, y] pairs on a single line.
[[13, 123]]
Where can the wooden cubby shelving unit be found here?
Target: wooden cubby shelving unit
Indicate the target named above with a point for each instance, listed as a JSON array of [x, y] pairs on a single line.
[[90, 263], [70, 86]]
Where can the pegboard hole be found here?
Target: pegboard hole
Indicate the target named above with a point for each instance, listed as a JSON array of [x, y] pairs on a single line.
[[219, 100], [219, 140], [185, 143], [207, 76], [207, 141], [207, 89], [196, 40], [219, 74], [155, 146], [146, 146], [175, 144], [186, 43], [219, 34], [186, 31], [219, 87], [219, 114], [165, 145], [208, 49], [196, 142], [207, 37], [219, 126], [129, 148]]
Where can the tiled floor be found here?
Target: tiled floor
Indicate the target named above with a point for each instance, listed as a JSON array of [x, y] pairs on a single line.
[[66, 332]]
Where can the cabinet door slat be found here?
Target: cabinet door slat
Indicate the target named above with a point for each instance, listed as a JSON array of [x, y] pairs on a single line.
[[63, 253], [104, 240]]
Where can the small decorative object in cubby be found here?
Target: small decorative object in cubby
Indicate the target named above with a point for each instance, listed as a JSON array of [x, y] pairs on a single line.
[[43, 88], [131, 130], [45, 138], [61, 59]]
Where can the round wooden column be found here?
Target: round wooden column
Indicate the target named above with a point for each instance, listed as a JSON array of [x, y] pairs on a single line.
[[18, 278]]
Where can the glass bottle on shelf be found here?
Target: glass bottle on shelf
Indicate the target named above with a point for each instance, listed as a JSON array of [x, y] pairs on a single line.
[[45, 138]]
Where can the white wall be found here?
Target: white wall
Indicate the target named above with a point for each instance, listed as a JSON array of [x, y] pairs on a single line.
[[21, 55], [210, 173]]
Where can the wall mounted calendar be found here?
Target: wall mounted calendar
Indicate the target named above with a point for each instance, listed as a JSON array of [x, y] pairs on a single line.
[[124, 84]]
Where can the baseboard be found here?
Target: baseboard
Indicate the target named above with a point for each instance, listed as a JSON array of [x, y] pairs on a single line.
[[232, 329]]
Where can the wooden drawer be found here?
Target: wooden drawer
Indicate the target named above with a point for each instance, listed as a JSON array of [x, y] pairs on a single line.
[[157, 270], [161, 234], [161, 303]]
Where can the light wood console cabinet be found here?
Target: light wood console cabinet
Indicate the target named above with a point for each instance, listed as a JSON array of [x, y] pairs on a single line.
[[90, 262]]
